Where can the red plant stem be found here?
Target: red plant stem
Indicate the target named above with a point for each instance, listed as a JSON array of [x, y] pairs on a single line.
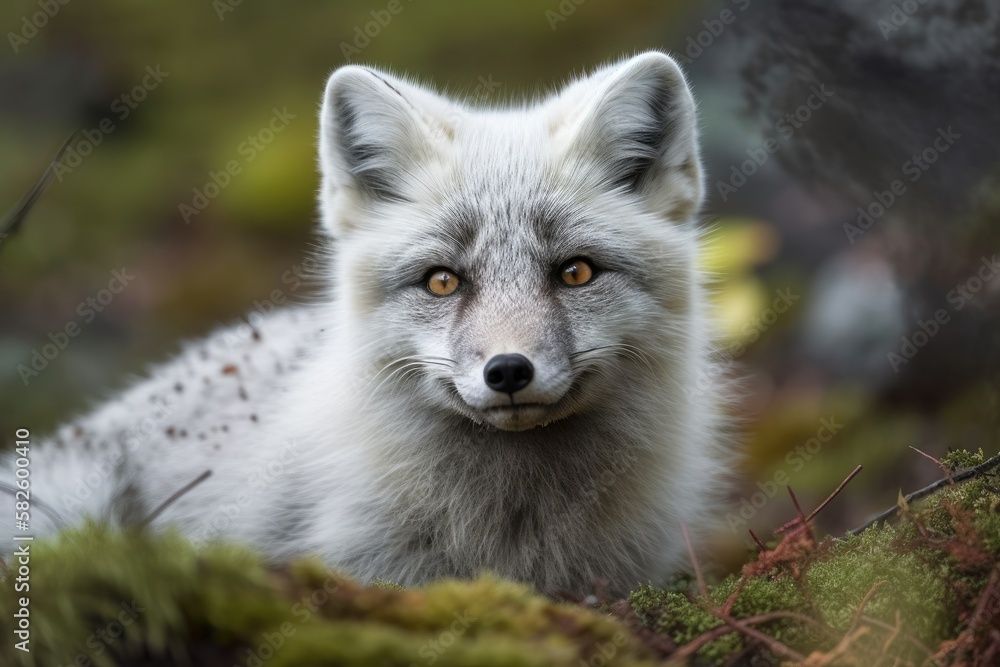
[[834, 494], [702, 588], [798, 508], [944, 468], [864, 603], [698, 642]]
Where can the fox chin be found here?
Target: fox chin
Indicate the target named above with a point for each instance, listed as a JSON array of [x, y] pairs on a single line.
[[510, 368]]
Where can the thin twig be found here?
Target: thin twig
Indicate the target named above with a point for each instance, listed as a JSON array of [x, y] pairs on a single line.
[[990, 595], [892, 635], [842, 647], [928, 490], [772, 643], [798, 508], [723, 613], [727, 608], [833, 495], [942, 466], [864, 603], [173, 498], [908, 637], [38, 503], [760, 545], [12, 222], [693, 646], [799, 520], [702, 588]]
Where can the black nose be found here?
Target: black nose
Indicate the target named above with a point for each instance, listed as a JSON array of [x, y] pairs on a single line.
[[508, 372]]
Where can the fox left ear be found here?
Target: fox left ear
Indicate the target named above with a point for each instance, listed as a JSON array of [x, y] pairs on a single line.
[[633, 126], [378, 134]]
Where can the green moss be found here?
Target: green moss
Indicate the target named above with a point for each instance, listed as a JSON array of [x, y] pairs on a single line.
[[910, 582], [930, 565], [958, 459], [121, 599], [988, 526], [222, 605], [683, 619], [390, 585]]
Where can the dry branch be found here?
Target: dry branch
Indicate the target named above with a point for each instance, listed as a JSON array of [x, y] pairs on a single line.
[[965, 475]]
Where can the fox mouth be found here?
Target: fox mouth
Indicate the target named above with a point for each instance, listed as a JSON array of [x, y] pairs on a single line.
[[519, 416], [514, 416], [514, 407]]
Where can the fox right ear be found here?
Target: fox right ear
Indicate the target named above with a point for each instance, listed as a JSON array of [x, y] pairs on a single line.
[[633, 126], [376, 134]]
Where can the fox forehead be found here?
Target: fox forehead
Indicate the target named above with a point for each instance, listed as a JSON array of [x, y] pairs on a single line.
[[502, 189], [524, 228]]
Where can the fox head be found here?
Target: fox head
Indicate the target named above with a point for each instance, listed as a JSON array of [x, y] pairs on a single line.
[[518, 265]]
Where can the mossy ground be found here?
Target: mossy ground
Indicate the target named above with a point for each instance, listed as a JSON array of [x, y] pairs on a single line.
[[924, 590], [110, 599]]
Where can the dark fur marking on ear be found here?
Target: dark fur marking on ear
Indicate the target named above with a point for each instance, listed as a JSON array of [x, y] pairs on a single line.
[[359, 155], [647, 146]]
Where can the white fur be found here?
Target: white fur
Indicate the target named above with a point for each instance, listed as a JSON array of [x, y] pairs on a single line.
[[344, 437]]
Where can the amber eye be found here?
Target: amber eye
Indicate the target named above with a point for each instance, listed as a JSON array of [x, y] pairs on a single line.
[[442, 282], [576, 272]]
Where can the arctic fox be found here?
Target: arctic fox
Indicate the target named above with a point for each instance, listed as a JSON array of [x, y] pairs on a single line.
[[506, 372]]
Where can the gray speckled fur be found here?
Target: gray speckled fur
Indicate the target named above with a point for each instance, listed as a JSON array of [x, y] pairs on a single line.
[[337, 429]]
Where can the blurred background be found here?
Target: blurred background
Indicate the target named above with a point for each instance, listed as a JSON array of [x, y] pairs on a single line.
[[851, 154]]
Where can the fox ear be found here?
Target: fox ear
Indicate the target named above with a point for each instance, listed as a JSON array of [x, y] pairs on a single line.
[[633, 126], [376, 131]]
